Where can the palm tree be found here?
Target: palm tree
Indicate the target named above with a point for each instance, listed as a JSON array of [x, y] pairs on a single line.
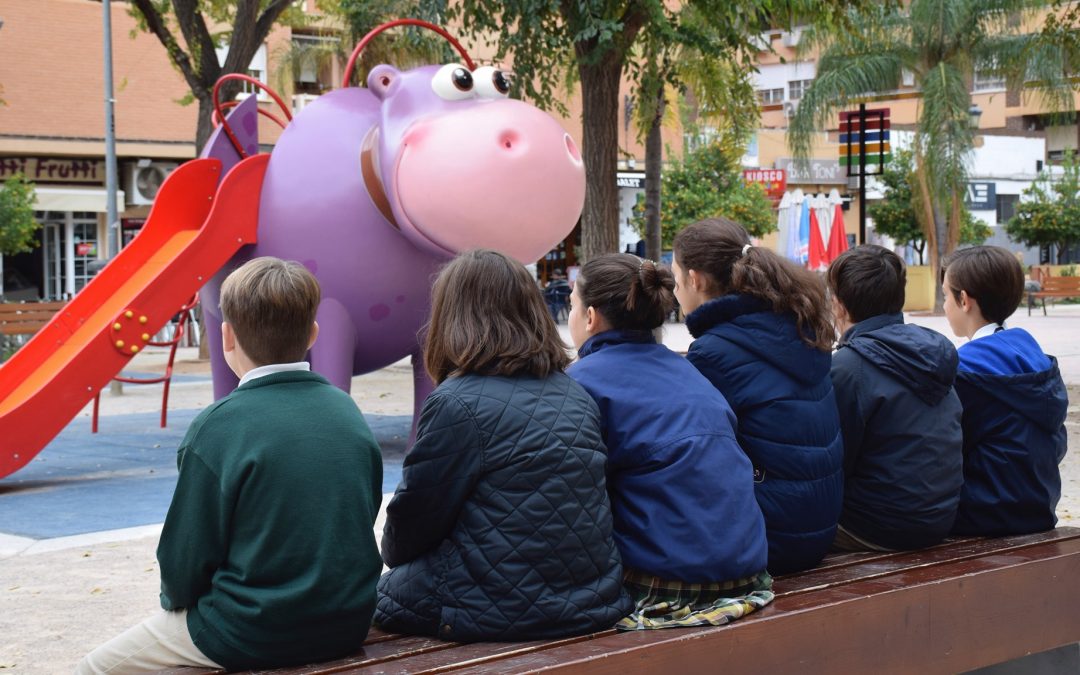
[[943, 44]]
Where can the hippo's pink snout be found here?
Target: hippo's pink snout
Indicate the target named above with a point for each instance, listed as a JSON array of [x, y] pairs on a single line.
[[497, 174]]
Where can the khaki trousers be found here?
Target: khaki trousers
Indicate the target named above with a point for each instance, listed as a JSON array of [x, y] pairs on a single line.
[[162, 641]]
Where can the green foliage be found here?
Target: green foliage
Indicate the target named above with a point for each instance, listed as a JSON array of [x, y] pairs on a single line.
[[894, 216], [17, 223], [1049, 210], [942, 44], [709, 183]]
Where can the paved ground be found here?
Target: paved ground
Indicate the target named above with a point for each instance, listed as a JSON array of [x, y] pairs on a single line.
[[79, 524]]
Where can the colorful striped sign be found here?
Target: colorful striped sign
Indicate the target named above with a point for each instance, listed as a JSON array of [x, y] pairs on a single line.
[[871, 148], [875, 158]]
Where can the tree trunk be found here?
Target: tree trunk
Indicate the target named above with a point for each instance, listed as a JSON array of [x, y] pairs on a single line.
[[654, 162], [600, 146], [941, 229]]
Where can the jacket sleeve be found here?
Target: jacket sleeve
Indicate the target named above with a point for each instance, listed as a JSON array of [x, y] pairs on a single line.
[[194, 539], [845, 379], [703, 355], [438, 475]]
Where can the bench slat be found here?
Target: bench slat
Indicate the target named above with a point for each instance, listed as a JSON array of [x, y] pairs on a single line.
[[947, 618]]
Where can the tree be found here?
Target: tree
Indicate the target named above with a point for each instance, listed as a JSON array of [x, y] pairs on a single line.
[[17, 223], [895, 215], [709, 183], [590, 43], [406, 47], [204, 26], [1049, 211], [942, 44]]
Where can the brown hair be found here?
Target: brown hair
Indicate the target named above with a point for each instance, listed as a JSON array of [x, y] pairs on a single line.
[[271, 306], [630, 293], [990, 275], [488, 317], [869, 280], [720, 250]]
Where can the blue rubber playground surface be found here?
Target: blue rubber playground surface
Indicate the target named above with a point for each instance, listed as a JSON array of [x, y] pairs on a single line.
[[124, 475]]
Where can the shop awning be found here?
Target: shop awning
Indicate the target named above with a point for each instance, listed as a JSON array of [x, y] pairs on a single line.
[[75, 199]]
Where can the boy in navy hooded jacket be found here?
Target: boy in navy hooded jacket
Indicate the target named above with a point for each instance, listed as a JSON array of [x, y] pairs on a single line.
[[899, 413], [1013, 396]]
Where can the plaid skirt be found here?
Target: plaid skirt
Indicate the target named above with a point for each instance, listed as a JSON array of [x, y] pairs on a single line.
[[676, 604]]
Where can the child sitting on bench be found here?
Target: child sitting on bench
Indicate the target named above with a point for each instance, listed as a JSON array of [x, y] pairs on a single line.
[[898, 411], [687, 524], [1013, 396], [501, 526]]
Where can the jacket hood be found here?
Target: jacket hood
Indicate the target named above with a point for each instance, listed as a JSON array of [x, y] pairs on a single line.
[[751, 324], [923, 360], [1011, 367]]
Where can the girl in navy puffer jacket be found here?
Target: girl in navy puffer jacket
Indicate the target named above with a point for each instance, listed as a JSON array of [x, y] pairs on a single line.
[[764, 339], [682, 492]]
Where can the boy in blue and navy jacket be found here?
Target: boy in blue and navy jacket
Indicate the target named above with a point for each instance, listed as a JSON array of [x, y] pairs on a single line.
[[899, 413], [1014, 400]]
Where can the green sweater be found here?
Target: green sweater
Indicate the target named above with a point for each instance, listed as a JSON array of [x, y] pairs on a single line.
[[269, 540]]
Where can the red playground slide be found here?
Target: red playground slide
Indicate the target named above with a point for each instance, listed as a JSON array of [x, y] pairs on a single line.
[[190, 234]]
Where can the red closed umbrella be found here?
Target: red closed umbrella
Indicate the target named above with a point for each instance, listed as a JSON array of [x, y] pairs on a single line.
[[838, 236], [818, 256]]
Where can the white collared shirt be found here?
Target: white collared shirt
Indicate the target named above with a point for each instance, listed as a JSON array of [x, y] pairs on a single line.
[[988, 329], [261, 371]]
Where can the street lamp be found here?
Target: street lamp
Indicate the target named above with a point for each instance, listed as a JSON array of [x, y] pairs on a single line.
[[974, 113]]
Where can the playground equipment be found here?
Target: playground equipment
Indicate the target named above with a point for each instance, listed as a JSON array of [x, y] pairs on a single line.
[[371, 188]]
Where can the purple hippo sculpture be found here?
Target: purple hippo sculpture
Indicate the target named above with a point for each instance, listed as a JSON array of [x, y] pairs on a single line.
[[374, 188]]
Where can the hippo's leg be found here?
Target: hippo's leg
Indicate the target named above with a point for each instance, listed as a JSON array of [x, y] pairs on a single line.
[[332, 354], [225, 379], [422, 386]]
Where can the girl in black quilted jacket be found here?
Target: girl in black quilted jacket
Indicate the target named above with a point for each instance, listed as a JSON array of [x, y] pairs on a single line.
[[501, 527]]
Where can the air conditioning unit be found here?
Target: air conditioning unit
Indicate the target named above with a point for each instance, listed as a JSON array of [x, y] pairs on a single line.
[[300, 101], [143, 179], [789, 109]]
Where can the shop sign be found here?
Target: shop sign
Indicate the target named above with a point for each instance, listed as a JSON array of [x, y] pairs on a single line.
[[774, 181], [813, 171], [54, 169], [981, 196], [89, 248], [633, 181]]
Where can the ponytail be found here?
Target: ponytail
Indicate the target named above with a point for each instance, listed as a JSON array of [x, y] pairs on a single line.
[[630, 293], [720, 250]]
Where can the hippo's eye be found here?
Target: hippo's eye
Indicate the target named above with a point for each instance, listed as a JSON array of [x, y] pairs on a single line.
[[453, 82], [491, 83]]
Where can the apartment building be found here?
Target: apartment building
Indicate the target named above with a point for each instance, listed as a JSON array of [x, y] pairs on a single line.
[[1016, 137]]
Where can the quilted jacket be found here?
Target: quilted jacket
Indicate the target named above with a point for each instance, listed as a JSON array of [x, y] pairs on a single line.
[[501, 527], [783, 398], [1014, 435]]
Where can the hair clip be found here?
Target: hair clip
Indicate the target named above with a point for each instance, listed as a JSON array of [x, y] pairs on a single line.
[[641, 266], [745, 248]]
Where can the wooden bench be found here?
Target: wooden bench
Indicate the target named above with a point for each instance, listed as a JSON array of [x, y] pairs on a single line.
[[1054, 287], [26, 318], [962, 605]]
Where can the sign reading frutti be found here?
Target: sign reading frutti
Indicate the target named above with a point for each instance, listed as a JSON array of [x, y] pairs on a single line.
[[53, 169]]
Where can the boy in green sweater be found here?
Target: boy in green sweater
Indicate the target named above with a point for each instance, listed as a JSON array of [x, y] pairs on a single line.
[[268, 555]]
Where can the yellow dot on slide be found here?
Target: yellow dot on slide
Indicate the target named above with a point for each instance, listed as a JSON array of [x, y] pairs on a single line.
[[120, 344], [128, 314], [146, 337], [116, 326], [143, 319], [134, 348]]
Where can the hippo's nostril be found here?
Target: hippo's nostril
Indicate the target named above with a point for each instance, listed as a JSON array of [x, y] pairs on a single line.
[[508, 139], [572, 148]]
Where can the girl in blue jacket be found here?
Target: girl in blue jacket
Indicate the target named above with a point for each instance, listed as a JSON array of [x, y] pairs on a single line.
[[687, 526], [1014, 400], [763, 337]]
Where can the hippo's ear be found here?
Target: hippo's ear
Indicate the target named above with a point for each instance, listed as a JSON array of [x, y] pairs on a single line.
[[381, 79]]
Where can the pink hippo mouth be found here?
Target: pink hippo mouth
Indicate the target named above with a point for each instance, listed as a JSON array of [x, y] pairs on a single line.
[[499, 175]]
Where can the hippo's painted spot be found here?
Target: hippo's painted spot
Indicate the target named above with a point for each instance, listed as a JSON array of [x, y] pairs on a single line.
[[250, 123], [312, 266], [379, 312], [399, 299]]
